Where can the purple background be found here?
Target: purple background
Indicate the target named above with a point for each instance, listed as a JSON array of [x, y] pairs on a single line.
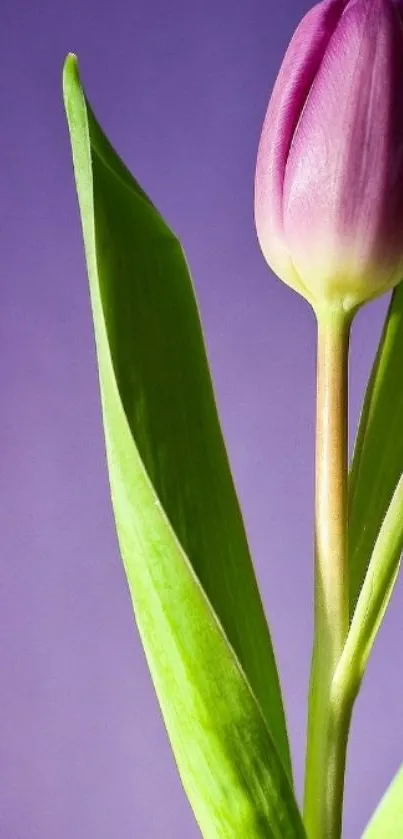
[[181, 89]]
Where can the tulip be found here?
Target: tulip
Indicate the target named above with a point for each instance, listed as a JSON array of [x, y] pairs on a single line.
[[329, 177], [329, 219]]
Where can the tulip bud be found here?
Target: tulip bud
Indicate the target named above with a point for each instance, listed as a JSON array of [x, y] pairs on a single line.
[[329, 176]]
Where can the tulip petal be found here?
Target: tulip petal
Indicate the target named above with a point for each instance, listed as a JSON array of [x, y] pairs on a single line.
[[299, 68], [345, 166]]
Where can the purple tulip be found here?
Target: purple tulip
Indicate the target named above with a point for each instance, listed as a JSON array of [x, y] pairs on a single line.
[[329, 177]]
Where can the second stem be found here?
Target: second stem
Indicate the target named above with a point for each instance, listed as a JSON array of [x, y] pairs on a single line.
[[328, 726]]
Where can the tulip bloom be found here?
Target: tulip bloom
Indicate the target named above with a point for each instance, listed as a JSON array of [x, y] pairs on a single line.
[[329, 178]]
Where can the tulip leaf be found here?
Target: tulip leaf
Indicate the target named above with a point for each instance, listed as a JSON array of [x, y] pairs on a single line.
[[387, 820], [378, 455], [373, 599], [178, 521]]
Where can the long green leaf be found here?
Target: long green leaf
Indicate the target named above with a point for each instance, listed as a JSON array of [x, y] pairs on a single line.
[[178, 522], [387, 821], [378, 455]]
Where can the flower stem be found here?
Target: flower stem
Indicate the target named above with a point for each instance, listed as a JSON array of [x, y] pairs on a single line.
[[329, 718]]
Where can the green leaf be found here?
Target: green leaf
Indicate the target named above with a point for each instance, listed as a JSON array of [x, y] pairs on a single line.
[[373, 600], [387, 821], [378, 456], [179, 526]]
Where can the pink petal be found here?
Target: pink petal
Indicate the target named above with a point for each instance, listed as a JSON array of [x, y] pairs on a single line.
[[299, 68], [343, 190]]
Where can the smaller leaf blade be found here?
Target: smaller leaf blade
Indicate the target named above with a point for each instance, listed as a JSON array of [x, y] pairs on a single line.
[[387, 820], [378, 453], [374, 598]]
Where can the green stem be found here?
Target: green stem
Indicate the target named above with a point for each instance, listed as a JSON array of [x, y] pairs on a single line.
[[328, 721]]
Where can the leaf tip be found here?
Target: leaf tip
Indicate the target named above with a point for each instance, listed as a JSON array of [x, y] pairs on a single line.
[[71, 75]]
